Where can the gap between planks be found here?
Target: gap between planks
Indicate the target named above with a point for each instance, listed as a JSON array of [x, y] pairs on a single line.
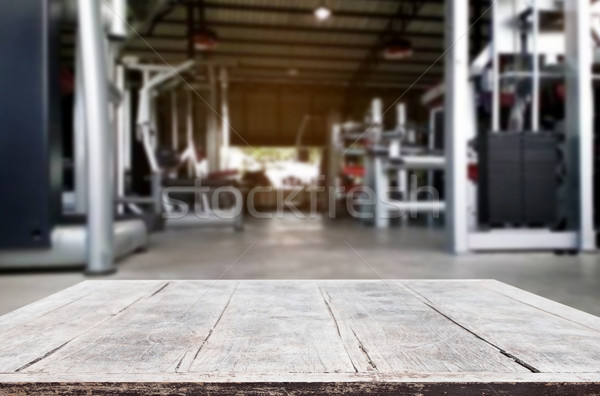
[[429, 304], [110, 317], [210, 332]]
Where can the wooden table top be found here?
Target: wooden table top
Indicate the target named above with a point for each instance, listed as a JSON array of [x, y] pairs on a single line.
[[299, 337]]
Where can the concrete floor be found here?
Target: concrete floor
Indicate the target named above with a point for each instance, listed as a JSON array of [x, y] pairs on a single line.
[[302, 249]]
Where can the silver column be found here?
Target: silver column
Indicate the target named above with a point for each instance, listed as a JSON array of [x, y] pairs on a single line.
[[118, 26], [80, 136], [225, 123], [456, 109], [380, 176], [100, 249], [174, 121], [190, 142], [212, 127], [122, 129], [579, 122]]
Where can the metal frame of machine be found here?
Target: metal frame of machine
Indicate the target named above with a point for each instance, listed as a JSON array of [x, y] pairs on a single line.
[[98, 244], [159, 79], [459, 101], [387, 152]]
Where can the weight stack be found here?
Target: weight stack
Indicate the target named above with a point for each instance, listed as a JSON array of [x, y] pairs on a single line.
[[500, 182], [540, 185], [517, 182]]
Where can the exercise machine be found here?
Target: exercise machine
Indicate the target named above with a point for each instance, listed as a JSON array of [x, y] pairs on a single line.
[[194, 198], [382, 162], [43, 223], [497, 101]]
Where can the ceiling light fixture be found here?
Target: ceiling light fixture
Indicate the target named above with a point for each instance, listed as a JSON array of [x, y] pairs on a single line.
[[205, 40], [322, 12], [397, 49]]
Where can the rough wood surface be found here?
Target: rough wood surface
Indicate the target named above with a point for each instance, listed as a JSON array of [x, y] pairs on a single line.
[[298, 337]]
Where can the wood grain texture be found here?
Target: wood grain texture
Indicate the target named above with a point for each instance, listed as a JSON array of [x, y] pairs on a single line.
[[397, 333], [538, 339], [298, 337], [274, 327]]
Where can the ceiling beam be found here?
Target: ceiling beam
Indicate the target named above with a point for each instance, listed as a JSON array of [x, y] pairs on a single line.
[[339, 81], [302, 70], [310, 11], [435, 75], [262, 55], [316, 44], [335, 83], [397, 76], [69, 35], [301, 28], [295, 43]]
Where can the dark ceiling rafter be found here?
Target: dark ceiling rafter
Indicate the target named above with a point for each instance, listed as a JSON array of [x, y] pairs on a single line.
[[294, 43], [341, 84], [309, 11], [301, 70], [263, 55], [182, 54], [314, 58], [383, 77], [167, 9], [313, 44], [303, 73], [301, 28]]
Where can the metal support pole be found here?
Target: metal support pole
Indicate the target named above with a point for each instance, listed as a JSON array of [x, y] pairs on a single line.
[[127, 136], [333, 159], [174, 121], [212, 136], [431, 146], [401, 116], [122, 129], [535, 94], [80, 135], [579, 122], [456, 108], [118, 26], [495, 65], [225, 122], [100, 236], [377, 115], [191, 145], [381, 197], [402, 174], [380, 174]]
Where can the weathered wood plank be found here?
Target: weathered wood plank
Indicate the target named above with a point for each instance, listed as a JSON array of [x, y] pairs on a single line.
[[541, 303], [274, 327], [540, 340], [399, 334], [298, 337], [46, 332], [162, 333], [44, 306]]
